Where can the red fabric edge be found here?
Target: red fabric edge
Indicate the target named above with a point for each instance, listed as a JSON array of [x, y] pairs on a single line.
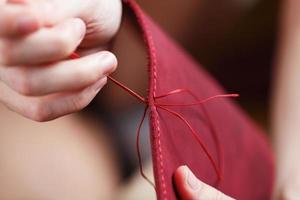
[[156, 148]]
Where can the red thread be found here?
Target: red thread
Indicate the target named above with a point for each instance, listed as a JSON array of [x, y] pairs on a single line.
[[164, 106], [160, 174], [209, 122], [138, 133], [133, 93]]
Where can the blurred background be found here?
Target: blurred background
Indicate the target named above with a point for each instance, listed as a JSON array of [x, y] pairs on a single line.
[[234, 40]]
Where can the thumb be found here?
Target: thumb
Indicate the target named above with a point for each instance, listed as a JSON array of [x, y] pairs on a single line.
[[191, 188]]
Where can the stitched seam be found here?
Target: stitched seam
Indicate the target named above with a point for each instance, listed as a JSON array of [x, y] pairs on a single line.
[[158, 124], [154, 64], [151, 46]]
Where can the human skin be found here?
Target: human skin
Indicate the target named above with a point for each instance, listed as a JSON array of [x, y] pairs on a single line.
[[25, 54], [286, 107], [37, 37], [282, 143], [71, 158]]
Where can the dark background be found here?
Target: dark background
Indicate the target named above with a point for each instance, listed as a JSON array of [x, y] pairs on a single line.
[[234, 39]]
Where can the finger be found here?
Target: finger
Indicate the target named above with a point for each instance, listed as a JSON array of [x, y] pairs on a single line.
[[17, 20], [49, 107], [2, 2], [45, 45], [55, 11], [66, 75], [17, 1], [191, 188], [19, 17]]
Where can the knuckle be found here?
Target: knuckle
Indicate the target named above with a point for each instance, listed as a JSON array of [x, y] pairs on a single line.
[[82, 99], [5, 53], [79, 103], [38, 111], [22, 81]]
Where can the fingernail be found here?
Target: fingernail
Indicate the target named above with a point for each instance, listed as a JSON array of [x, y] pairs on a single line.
[[99, 84], [27, 24], [80, 27], [108, 61], [192, 181]]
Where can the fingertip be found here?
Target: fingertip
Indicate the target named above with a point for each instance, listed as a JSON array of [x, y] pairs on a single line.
[[109, 62], [190, 187], [192, 181], [180, 176], [110, 54], [182, 168], [181, 173], [79, 27], [181, 181]]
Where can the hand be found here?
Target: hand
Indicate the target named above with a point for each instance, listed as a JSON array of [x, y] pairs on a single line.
[[191, 188], [288, 188], [36, 38]]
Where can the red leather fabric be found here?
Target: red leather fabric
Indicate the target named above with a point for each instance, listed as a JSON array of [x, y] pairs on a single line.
[[248, 165]]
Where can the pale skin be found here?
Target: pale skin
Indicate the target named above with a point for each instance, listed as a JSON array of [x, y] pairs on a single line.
[[286, 108], [27, 89], [30, 57]]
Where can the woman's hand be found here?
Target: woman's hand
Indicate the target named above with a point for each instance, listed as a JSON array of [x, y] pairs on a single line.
[[288, 183], [36, 38], [191, 188], [102, 17]]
